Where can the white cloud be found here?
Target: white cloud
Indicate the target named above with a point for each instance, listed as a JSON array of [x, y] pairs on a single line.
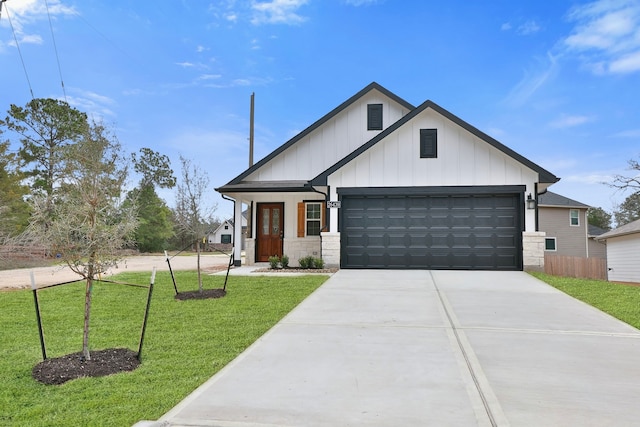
[[626, 64], [277, 12], [360, 2], [529, 27], [506, 26], [606, 35], [95, 105], [532, 81], [569, 121], [25, 13], [633, 133]]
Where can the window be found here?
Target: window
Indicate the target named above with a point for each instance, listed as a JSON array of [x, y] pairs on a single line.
[[550, 244], [225, 238], [310, 218], [574, 217], [428, 143], [226, 227], [374, 117], [313, 217]]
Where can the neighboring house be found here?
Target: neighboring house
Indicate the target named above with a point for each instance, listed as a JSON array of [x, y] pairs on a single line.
[[222, 237], [623, 252], [222, 234], [564, 221], [379, 183], [597, 249]]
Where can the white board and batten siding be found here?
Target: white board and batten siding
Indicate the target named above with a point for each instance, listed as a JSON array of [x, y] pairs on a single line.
[[330, 142], [463, 159], [623, 258]]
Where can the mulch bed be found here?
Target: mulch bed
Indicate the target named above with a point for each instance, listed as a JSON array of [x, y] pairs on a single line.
[[205, 294], [103, 362], [297, 270]]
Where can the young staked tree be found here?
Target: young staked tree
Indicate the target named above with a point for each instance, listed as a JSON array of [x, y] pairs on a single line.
[[89, 225], [192, 213], [46, 127]]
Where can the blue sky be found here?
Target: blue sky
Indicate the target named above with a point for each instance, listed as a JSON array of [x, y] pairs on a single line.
[[557, 81]]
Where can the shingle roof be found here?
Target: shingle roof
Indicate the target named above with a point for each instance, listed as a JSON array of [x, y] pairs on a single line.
[[594, 230], [631, 228], [553, 199]]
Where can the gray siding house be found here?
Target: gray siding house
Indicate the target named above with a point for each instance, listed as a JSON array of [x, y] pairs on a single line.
[[564, 221]]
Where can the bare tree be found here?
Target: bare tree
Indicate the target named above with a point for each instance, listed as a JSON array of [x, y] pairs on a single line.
[[89, 225], [623, 182], [192, 213]]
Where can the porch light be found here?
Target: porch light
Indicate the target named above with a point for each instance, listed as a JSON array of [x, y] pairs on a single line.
[[531, 202]]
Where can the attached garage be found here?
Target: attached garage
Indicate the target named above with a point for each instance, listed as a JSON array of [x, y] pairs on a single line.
[[465, 228]]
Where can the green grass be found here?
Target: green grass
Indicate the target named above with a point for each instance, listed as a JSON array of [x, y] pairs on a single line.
[[186, 342], [620, 301]]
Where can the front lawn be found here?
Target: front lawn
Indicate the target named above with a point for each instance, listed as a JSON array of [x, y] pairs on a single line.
[[186, 342], [620, 301]]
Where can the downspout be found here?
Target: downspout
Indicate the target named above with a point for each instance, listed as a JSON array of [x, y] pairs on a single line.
[[535, 187]]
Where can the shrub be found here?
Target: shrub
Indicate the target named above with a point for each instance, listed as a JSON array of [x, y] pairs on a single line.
[[284, 261], [318, 263], [306, 262], [274, 261]]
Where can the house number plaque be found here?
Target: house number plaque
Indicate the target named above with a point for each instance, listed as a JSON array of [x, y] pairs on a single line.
[[334, 204]]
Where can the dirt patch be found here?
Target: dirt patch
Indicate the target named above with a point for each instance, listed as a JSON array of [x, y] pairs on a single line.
[[59, 370], [205, 294], [20, 278]]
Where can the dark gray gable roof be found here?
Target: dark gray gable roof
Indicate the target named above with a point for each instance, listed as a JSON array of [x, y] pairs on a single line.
[[545, 176], [594, 230], [553, 199], [319, 123]]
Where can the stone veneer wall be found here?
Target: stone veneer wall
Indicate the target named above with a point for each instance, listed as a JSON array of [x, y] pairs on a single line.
[[250, 251], [301, 247], [533, 250], [331, 249]]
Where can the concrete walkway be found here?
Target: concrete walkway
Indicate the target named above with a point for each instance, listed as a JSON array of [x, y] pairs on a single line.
[[429, 348]]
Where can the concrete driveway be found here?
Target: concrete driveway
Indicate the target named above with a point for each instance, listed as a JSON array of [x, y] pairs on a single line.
[[429, 348]]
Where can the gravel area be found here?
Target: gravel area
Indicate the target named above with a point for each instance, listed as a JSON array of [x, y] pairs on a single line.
[[21, 279]]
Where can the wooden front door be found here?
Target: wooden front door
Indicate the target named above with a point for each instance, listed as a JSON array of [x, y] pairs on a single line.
[[270, 232]]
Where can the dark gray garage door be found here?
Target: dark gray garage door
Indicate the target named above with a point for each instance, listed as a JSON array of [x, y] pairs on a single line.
[[435, 230]]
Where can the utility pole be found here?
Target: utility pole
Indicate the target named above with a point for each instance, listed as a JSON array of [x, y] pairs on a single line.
[[251, 130]]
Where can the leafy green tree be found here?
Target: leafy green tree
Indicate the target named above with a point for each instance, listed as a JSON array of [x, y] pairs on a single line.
[[46, 128], [89, 225], [156, 225], [14, 210], [155, 220], [629, 210], [600, 218]]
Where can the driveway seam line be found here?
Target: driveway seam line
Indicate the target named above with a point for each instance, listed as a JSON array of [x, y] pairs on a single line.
[[465, 355]]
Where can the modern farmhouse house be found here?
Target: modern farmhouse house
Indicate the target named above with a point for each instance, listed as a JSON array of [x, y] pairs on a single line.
[[380, 183]]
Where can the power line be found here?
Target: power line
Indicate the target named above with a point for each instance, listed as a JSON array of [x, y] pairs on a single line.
[[24, 67], [55, 49]]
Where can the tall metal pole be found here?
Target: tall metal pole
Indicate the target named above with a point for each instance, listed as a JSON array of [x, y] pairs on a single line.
[[251, 130]]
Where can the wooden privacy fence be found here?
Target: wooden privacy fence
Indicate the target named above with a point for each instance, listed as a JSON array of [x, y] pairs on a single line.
[[571, 266]]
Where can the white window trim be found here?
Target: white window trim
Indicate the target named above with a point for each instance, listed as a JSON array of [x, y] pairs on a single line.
[[577, 217], [555, 244], [307, 219]]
